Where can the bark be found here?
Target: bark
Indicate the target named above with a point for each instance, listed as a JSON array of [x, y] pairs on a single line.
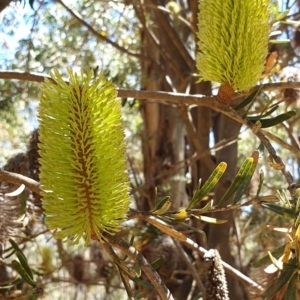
[[168, 130], [219, 236], [4, 3]]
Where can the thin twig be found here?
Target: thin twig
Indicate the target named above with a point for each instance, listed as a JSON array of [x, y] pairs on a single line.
[[21, 75], [96, 33], [190, 266], [19, 179], [152, 275], [167, 229], [280, 142], [176, 98], [184, 113], [198, 100]]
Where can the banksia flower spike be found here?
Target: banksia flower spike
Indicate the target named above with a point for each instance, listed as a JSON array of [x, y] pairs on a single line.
[[83, 167], [233, 43]]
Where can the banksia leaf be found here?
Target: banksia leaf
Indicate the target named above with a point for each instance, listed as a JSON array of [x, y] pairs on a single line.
[[83, 167], [233, 43]]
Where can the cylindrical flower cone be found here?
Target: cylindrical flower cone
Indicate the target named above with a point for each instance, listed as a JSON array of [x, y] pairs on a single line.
[[83, 173], [233, 43]]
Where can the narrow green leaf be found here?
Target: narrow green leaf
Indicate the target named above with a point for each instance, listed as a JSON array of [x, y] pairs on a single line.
[[242, 188], [23, 261], [289, 267], [250, 98], [22, 272], [21, 257], [283, 211], [208, 185], [292, 290], [23, 203], [282, 15], [265, 123], [160, 203], [283, 41], [290, 22], [140, 282], [283, 279], [266, 259], [242, 173], [126, 283], [157, 263], [260, 182], [15, 246], [203, 210], [162, 207], [256, 118], [137, 269]]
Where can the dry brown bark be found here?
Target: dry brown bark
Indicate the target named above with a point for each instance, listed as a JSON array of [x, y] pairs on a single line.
[[4, 4]]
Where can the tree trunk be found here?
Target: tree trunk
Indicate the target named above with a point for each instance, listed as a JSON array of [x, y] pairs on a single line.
[[168, 130], [219, 236]]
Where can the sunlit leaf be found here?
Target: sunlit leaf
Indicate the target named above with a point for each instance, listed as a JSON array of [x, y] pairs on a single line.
[[241, 175], [137, 269], [162, 206], [208, 185], [266, 259], [209, 219], [180, 215], [242, 188], [203, 210], [291, 22], [282, 15], [277, 263], [283, 41]]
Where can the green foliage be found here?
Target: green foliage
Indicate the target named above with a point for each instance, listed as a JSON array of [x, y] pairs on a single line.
[[209, 184], [57, 40]]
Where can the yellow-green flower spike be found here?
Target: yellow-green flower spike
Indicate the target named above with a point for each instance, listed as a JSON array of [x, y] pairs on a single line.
[[85, 185], [233, 43]]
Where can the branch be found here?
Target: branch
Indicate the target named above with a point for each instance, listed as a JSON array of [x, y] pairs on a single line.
[[152, 275], [280, 142], [185, 115], [18, 179], [21, 75], [197, 100], [191, 267], [95, 33], [167, 229], [176, 98]]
